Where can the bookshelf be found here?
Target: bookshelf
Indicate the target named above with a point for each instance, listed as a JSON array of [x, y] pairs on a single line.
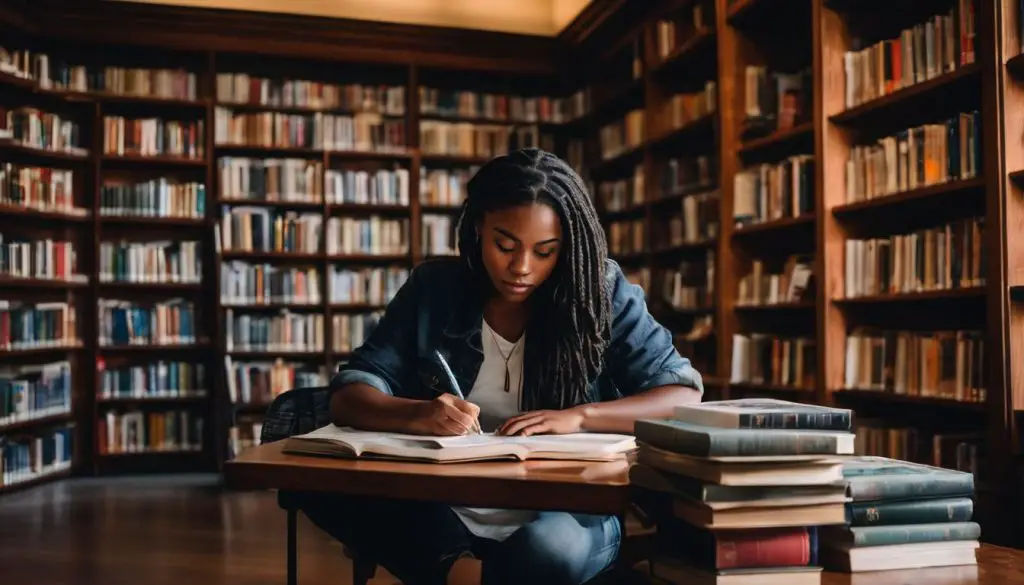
[[747, 184], [840, 275]]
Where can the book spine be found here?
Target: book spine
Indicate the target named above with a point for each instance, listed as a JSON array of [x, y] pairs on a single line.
[[733, 444], [910, 512], [914, 533], [911, 486], [822, 421], [781, 549]]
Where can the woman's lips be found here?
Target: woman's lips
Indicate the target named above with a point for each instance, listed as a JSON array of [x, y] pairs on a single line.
[[518, 288]]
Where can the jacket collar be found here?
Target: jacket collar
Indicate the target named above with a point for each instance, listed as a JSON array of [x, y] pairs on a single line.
[[465, 315]]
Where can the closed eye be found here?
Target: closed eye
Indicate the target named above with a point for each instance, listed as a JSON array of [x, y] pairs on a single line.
[[504, 245]]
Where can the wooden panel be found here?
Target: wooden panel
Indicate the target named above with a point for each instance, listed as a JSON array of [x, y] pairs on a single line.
[[297, 36], [831, 150]]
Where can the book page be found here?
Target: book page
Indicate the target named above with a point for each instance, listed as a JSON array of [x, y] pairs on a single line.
[[575, 442]]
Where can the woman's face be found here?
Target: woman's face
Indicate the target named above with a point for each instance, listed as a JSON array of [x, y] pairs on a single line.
[[519, 248]]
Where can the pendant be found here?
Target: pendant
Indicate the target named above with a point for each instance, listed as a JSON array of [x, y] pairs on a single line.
[[507, 382]]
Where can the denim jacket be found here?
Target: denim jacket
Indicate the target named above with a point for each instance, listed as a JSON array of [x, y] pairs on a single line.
[[436, 309]]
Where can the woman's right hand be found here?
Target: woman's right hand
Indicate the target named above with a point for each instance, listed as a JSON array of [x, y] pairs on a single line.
[[446, 415]]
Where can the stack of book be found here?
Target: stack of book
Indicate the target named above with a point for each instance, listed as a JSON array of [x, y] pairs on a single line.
[[740, 489], [903, 516]]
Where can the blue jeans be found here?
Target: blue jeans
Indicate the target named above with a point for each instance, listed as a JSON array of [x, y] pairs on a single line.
[[418, 542]]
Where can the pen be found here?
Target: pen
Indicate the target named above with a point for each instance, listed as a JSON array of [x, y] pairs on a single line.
[[454, 385]]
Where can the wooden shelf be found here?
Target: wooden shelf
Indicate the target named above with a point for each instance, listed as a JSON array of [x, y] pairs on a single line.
[[924, 90], [921, 196], [32, 423], [775, 225], [946, 294], [137, 159], [700, 45], [7, 282], [23, 485], [28, 214], [779, 138], [777, 307], [152, 221], [54, 157]]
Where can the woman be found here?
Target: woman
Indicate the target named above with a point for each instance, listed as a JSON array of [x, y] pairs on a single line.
[[542, 334]]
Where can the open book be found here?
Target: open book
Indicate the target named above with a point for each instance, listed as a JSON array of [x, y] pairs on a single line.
[[334, 441]]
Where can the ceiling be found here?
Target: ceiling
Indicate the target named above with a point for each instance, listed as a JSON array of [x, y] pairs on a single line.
[[532, 17]]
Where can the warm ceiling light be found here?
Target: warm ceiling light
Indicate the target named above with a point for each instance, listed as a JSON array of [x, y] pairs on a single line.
[[534, 17]]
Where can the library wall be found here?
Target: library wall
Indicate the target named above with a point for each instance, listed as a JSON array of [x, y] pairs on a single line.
[[822, 220]]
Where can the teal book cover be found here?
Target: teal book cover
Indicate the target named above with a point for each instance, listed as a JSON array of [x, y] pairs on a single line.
[[881, 478]]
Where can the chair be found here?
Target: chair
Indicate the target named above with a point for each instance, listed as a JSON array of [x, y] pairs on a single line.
[[297, 412], [303, 410]]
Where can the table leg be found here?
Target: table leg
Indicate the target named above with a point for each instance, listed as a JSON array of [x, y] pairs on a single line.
[[293, 578]]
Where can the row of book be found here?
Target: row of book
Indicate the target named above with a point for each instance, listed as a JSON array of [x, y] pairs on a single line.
[[260, 381], [242, 88], [286, 331], [770, 284], [694, 220], [493, 107], [260, 284], [627, 236], [939, 45], [44, 259], [154, 137], [317, 131], [437, 235], [34, 391], [257, 229], [945, 257], [774, 360], [769, 491], [42, 130], [766, 192], [922, 156], [149, 262], [622, 136], [29, 458], [274, 92], [690, 285], [172, 431], [154, 380], [620, 194]]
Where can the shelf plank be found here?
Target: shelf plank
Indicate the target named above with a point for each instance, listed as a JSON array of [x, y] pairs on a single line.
[[924, 90], [921, 195]]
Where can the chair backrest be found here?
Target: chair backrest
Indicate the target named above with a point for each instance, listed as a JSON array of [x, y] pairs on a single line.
[[296, 412]]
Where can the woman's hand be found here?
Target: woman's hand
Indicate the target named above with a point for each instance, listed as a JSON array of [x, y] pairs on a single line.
[[446, 415], [543, 422]]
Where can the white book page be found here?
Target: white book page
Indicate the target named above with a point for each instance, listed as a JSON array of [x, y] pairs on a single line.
[[574, 442]]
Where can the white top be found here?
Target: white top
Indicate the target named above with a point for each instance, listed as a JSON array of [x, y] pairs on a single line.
[[496, 406]]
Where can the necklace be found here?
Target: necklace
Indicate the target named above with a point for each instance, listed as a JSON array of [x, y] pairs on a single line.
[[508, 380]]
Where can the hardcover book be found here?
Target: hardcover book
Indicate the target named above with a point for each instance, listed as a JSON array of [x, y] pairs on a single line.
[[334, 441], [764, 413]]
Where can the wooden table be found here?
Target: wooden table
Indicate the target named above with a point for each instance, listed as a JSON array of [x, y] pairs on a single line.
[[598, 488], [996, 566]]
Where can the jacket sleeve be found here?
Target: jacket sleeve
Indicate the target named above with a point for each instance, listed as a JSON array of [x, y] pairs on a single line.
[[641, 355], [386, 360]]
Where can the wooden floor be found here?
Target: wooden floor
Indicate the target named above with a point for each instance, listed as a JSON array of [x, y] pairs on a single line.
[[157, 531]]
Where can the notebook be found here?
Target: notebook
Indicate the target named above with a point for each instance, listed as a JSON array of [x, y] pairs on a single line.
[[345, 442]]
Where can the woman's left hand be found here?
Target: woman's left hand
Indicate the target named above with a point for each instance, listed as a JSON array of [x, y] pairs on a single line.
[[543, 422]]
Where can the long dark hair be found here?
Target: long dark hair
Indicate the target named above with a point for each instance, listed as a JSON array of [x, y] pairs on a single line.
[[570, 313]]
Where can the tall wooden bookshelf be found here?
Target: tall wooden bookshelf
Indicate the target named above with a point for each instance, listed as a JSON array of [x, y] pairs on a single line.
[[747, 183], [842, 277]]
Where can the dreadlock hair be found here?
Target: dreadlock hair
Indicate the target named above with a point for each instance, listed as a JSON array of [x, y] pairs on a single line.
[[570, 311]]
